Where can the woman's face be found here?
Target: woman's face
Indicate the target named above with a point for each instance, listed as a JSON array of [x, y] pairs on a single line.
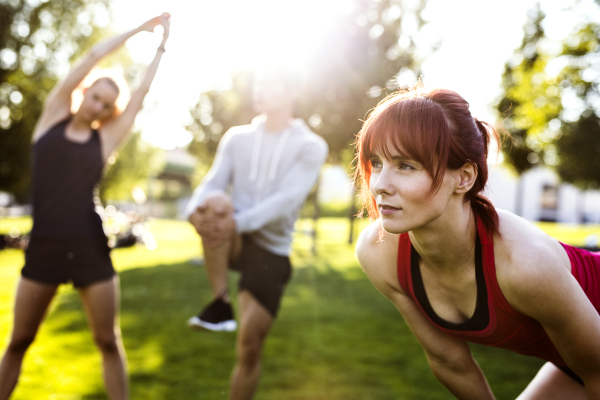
[[401, 189], [99, 101]]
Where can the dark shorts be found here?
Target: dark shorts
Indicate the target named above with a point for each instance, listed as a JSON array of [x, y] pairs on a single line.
[[80, 261], [570, 373], [264, 274]]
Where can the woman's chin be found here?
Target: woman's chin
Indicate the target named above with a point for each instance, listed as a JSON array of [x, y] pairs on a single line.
[[393, 227]]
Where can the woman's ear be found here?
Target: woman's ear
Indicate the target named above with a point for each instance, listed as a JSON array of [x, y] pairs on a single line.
[[467, 176]]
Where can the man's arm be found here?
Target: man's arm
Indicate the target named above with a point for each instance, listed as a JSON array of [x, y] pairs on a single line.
[[290, 194], [218, 178], [450, 359]]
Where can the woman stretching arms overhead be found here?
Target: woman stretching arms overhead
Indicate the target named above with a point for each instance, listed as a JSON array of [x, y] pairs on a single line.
[[67, 241]]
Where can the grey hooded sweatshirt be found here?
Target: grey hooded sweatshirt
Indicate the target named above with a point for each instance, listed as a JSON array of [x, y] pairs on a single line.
[[268, 175]]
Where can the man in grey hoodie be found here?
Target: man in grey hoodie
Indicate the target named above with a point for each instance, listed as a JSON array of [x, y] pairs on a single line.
[[245, 209]]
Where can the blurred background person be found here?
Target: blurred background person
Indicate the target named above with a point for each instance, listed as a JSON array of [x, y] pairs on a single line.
[[270, 167], [67, 239]]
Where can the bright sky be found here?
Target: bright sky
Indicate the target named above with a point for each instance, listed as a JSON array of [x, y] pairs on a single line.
[[211, 38]]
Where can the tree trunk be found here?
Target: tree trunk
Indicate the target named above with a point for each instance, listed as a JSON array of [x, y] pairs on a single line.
[[352, 215], [315, 198]]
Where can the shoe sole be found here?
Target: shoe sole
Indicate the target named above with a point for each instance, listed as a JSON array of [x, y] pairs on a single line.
[[225, 326]]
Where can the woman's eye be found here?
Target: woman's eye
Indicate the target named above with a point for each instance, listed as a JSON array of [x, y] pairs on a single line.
[[375, 164], [406, 166]]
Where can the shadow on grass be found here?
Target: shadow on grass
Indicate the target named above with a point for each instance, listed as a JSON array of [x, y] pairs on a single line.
[[335, 338]]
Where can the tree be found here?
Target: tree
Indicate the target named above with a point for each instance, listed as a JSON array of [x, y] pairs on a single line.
[[366, 56], [552, 114], [579, 146], [37, 40], [129, 167]]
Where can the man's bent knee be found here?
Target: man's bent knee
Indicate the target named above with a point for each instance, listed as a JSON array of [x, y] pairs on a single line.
[[218, 202]]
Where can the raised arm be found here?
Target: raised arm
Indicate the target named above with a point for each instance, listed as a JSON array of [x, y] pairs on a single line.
[[58, 103], [450, 359], [115, 131]]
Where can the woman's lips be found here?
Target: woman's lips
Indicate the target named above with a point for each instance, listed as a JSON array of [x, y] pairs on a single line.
[[387, 210]]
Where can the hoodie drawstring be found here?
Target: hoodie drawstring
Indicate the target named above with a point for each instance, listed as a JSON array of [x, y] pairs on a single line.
[[255, 155], [277, 154], [254, 160]]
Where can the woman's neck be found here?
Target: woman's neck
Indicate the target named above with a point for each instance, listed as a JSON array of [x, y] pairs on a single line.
[[447, 242], [79, 124]]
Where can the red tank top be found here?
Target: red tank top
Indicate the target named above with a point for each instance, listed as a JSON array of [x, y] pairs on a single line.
[[507, 328]]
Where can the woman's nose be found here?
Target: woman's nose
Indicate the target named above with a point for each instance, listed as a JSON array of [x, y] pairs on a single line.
[[382, 184]]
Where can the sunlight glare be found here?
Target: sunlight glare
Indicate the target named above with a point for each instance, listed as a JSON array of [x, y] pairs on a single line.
[[210, 39]]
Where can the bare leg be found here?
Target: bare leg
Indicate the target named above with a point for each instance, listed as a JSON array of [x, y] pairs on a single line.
[[31, 303], [255, 322], [216, 259], [101, 302], [551, 383]]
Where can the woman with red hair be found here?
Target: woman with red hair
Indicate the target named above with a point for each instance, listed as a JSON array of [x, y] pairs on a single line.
[[461, 271]]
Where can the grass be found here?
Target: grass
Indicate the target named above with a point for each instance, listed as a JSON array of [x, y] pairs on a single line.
[[336, 337]]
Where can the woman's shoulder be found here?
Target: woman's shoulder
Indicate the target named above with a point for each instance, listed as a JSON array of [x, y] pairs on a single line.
[[518, 235], [48, 122], [523, 253], [377, 252], [374, 237]]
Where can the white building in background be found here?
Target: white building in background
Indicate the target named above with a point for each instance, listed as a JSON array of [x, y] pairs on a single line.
[[544, 197]]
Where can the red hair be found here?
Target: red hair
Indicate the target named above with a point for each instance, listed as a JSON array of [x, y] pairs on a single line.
[[435, 128]]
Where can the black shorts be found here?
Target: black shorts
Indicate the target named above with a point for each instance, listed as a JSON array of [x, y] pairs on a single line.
[[80, 261], [264, 274]]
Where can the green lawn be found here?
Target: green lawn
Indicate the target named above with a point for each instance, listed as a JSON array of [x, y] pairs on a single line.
[[336, 337]]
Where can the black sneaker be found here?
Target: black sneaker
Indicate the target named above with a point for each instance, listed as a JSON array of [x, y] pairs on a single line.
[[217, 316]]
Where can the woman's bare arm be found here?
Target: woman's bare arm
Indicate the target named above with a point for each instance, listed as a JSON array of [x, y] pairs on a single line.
[[115, 131], [536, 280], [450, 359]]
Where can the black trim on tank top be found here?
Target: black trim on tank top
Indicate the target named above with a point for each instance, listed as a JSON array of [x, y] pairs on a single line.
[[481, 317]]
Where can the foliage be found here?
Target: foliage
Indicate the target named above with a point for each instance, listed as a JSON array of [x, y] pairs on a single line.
[[579, 146], [37, 39], [550, 101], [530, 100], [131, 166], [366, 55]]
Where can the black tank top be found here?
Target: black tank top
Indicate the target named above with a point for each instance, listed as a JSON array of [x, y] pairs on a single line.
[[64, 176], [481, 317]]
